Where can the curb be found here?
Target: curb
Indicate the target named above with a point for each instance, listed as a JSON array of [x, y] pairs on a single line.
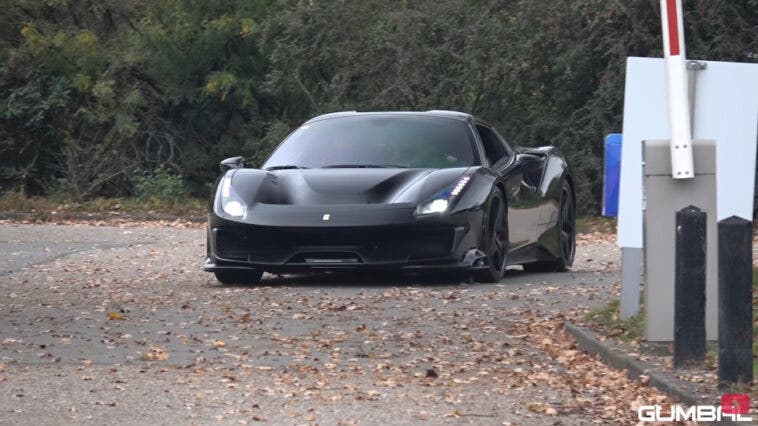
[[618, 360], [588, 341]]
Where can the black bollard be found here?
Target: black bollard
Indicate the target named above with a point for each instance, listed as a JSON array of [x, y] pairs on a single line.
[[689, 286], [735, 301]]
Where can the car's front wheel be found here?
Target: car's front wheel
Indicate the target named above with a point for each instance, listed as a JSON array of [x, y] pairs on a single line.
[[495, 240], [565, 230], [239, 276]]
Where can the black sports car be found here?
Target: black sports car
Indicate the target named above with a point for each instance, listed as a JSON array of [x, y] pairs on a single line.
[[393, 190]]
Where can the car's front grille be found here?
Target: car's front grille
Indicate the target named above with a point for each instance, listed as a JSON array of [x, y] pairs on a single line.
[[380, 244]]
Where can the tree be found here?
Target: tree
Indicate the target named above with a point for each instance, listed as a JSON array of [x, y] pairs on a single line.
[[91, 91]]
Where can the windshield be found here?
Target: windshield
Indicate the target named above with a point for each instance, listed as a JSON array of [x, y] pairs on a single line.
[[377, 141]]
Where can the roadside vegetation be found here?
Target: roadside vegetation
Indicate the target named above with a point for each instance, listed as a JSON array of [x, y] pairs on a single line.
[[16, 202], [95, 93], [596, 224], [607, 320], [156, 191]]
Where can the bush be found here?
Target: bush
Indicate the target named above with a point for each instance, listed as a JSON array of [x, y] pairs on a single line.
[[159, 184], [91, 89]]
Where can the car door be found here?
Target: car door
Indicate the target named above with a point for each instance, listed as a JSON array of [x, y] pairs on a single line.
[[521, 196]]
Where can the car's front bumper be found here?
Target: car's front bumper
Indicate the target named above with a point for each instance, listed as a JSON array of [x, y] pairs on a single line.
[[441, 242]]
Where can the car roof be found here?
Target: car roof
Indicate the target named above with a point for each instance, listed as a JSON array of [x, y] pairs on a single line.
[[456, 115]]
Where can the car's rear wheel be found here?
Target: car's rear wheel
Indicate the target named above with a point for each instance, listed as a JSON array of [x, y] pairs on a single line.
[[495, 240], [566, 235], [239, 276]]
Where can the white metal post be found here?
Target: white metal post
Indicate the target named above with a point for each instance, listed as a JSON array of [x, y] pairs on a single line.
[[672, 22]]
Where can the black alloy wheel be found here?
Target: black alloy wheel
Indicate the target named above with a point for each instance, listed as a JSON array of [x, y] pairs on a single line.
[[566, 235], [496, 238]]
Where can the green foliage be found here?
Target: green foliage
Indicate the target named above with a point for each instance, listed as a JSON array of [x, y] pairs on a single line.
[[607, 319], [16, 201], [92, 90], [159, 184], [596, 224]]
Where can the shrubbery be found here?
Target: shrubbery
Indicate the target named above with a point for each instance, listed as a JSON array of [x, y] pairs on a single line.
[[159, 184], [91, 90]]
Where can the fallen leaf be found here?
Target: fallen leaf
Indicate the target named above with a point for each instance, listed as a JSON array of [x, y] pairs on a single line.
[[454, 414], [537, 407], [155, 353], [115, 316]]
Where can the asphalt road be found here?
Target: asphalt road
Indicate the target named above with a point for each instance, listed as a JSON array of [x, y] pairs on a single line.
[[121, 326]]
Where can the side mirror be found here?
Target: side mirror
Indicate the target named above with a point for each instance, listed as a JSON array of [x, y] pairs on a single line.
[[232, 163], [528, 159]]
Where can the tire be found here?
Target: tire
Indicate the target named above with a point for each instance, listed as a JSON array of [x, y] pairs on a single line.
[[239, 276], [565, 229], [495, 240]]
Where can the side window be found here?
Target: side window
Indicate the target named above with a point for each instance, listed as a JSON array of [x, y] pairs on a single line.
[[493, 148], [508, 146]]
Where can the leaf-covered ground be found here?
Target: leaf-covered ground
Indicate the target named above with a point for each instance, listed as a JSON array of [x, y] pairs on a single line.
[[119, 325]]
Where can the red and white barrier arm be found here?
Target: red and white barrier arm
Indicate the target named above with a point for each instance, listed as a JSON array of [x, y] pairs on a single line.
[[672, 21]]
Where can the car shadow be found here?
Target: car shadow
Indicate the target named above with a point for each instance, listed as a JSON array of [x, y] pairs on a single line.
[[372, 279], [351, 278]]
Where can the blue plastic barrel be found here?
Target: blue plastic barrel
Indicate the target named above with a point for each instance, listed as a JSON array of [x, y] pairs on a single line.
[[611, 174]]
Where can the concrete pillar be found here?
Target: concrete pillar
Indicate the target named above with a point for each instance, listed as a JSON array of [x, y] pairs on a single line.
[[631, 266]]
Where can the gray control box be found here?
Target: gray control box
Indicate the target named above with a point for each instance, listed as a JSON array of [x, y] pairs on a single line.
[[664, 196]]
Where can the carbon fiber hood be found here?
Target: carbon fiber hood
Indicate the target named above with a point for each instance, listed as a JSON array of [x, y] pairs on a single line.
[[315, 187]]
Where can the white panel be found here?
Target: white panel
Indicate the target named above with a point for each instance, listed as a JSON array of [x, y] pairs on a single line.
[[726, 110], [645, 117]]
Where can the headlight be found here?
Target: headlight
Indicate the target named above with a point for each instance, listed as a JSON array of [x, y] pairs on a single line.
[[440, 202], [435, 206], [234, 208], [231, 204]]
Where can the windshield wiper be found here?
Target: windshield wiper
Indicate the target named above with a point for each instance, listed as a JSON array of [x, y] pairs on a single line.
[[285, 167], [363, 166]]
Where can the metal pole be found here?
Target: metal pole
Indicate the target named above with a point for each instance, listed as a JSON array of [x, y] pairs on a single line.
[[692, 70], [689, 286]]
